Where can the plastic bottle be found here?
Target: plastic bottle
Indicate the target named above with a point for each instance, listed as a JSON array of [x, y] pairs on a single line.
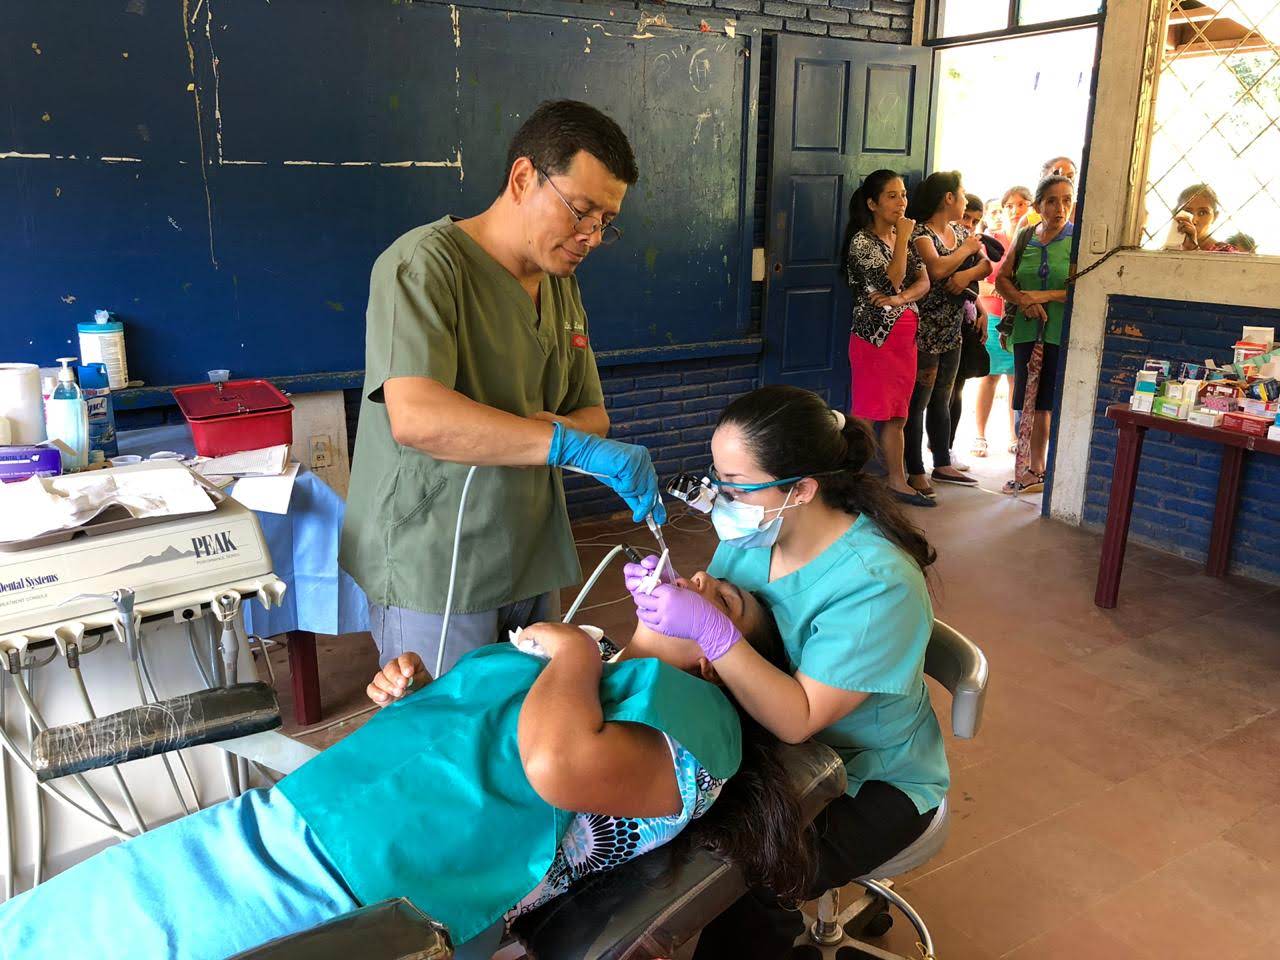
[[102, 419], [67, 417]]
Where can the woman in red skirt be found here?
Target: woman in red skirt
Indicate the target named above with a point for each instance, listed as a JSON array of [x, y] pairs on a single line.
[[887, 277]]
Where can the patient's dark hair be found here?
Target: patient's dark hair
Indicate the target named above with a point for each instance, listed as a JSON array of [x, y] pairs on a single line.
[[792, 432], [757, 822]]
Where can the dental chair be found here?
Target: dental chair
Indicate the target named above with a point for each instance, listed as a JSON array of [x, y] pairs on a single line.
[[646, 908], [957, 663]]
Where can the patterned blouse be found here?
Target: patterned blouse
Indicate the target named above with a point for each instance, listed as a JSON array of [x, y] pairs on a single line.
[[940, 312], [867, 270], [595, 843]]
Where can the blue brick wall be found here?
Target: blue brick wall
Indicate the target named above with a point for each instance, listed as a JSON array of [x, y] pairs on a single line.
[[1178, 476], [670, 408]]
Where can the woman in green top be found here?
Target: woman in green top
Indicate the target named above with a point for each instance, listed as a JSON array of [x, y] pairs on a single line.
[[1034, 283], [824, 546]]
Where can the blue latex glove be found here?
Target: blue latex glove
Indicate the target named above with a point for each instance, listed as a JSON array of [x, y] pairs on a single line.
[[625, 467]]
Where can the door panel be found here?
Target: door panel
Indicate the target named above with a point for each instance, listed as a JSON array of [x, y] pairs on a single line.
[[841, 110]]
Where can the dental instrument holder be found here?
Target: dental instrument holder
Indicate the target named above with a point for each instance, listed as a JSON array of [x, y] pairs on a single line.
[[225, 607]]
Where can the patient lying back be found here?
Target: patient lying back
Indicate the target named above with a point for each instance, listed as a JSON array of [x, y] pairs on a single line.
[[476, 796]]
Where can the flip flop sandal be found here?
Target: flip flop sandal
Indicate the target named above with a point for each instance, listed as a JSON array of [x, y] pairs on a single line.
[[1016, 488], [979, 448]]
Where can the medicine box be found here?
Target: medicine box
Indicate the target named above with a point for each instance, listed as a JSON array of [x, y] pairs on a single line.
[[1246, 423], [1173, 409], [1247, 350], [1141, 402], [1203, 417], [1273, 433]]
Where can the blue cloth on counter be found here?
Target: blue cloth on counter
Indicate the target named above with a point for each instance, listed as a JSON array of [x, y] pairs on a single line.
[[251, 871], [303, 543]]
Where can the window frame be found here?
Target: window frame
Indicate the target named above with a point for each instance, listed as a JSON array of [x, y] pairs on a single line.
[[1144, 130], [1011, 28]]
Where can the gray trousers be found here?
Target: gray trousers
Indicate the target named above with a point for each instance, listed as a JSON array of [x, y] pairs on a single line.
[[397, 630]]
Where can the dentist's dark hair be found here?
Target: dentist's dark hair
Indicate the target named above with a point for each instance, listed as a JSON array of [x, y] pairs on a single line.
[[793, 433], [757, 821]]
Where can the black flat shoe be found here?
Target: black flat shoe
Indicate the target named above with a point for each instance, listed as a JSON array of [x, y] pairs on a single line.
[[943, 478], [913, 499]]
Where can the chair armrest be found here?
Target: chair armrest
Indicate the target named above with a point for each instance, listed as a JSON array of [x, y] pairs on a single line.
[[390, 930]]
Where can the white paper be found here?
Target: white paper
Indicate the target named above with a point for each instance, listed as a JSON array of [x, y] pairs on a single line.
[[534, 649], [268, 494], [267, 462], [40, 505]]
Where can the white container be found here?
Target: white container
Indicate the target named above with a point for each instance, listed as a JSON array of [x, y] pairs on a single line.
[[103, 342], [1259, 334], [20, 402]]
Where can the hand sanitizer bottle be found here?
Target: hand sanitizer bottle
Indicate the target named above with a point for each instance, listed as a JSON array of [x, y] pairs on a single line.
[[67, 417]]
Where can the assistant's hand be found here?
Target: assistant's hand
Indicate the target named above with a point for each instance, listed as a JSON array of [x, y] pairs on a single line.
[[626, 467], [395, 680], [679, 612]]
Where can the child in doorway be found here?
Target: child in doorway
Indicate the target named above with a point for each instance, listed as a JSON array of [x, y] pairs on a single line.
[[1014, 205]]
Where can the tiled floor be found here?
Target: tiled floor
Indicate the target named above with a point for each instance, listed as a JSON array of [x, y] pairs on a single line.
[[1121, 802]]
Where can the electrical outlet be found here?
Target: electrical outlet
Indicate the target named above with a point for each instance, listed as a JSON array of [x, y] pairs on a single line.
[[321, 452]]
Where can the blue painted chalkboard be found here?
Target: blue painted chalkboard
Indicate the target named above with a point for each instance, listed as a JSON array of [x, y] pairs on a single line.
[[223, 173]]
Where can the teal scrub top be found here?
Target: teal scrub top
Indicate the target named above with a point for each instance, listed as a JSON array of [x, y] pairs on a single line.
[[429, 799], [858, 617]]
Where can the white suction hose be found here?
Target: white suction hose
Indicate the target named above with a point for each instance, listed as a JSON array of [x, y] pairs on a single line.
[[7, 810], [591, 582], [33, 712], [453, 572]]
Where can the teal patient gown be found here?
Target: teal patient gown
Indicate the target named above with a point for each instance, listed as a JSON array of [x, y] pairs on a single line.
[[428, 801]]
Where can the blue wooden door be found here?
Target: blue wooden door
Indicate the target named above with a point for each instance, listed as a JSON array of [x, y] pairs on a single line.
[[842, 109]]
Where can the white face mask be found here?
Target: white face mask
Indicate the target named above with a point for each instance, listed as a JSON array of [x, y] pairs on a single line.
[[738, 524]]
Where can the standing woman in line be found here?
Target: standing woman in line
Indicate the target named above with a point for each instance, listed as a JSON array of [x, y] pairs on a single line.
[[887, 277], [943, 245], [1033, 283]]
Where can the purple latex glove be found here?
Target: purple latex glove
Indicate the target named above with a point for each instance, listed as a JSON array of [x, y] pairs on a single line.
[[678, 612], [633, 574]]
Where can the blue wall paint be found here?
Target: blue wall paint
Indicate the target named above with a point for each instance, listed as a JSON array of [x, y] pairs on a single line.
[[1178, 477], [263, 268]]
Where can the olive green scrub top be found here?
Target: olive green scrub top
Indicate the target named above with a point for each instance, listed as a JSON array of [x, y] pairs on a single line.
[[441, 307]]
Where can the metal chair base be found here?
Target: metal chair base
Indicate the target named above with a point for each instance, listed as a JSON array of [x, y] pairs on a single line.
[[835, 931]]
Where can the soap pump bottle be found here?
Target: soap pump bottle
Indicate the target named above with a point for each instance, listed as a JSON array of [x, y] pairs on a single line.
[[67, 416]]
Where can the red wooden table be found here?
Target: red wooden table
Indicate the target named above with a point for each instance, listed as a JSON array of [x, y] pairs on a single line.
[[1133, 427]]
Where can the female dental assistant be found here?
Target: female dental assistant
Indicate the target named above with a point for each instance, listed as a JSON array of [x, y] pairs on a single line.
[[821, 543]]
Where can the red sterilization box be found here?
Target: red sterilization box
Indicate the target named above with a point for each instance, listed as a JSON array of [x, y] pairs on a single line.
[[236, 415]]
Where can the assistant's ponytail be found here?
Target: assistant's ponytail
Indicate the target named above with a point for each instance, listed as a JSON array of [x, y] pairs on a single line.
[[793, 433]]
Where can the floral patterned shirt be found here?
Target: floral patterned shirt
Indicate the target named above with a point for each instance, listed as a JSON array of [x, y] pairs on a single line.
[[595, 843], [867, 270], [940, 311]]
